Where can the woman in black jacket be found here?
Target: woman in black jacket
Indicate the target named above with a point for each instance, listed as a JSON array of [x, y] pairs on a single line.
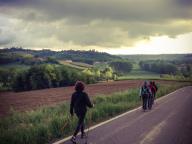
[[79, 103]]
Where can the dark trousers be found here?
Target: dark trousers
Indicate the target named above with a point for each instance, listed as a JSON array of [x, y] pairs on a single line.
[[145, 101], [154, 94], [80, 124], [150, 101]]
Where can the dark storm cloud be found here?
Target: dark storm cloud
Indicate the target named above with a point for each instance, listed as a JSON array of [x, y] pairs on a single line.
[[187, 3], [145, 10]]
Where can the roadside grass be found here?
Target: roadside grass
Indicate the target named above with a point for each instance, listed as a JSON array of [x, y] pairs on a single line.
[[48, 124]]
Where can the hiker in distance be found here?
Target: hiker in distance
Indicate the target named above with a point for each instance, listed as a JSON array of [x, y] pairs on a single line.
[[79, 103], [145, 94], [153, 88], [156, 88]]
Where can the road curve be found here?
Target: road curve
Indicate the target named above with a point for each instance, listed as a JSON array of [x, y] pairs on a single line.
[[169, 122]]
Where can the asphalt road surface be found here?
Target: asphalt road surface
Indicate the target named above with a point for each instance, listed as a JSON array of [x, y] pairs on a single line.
[[169, 122]]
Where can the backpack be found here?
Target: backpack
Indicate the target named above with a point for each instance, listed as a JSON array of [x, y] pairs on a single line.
[[153, 88], [144, 90]]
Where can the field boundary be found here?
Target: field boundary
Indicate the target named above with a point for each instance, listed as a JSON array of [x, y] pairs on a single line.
[[116, 117]]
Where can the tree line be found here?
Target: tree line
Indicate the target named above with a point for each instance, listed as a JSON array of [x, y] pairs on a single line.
[[89, 57], [158, 66], [50, 75], [121, 66]]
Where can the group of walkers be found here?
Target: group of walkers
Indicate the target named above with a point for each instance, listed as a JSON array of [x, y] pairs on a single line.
[[80, 101], [148, 93]]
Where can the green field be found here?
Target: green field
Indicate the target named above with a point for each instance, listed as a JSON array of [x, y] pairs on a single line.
[[77, 65], [139, 75]]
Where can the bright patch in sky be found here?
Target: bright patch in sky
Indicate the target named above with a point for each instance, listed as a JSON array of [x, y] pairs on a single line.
[[159, 45]]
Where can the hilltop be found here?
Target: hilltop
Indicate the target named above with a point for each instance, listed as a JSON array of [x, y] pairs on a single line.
[[88, 57]]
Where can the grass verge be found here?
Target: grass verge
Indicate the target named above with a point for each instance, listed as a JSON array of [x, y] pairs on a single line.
[[47, 124]]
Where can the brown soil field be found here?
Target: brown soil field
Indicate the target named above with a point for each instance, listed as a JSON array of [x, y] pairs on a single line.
[[23, 101]]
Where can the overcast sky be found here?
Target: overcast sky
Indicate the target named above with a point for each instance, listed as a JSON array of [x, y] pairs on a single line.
[[113, 26]]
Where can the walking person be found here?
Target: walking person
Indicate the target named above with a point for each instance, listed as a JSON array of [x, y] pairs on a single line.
[[153, 91], [145, 93], [79, 103], [156, 88]]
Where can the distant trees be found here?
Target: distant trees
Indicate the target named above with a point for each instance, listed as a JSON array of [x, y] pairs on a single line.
[[25, 59], [122, 66], [107, 73], [161, 67], [42, 69], [89, 57], [51, 60], [13, 55], [51, 75], [90, 76], [186, 70], [7, 76], [94, 74], [45, 76]]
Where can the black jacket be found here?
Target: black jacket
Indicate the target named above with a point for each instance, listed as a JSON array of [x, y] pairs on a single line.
[[79, 102]]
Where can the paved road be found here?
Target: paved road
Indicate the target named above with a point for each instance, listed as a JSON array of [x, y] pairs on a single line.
[[169, 122]]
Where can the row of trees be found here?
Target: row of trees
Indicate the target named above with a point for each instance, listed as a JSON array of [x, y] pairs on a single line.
[[24, 59], [51, 75], [44, 76], [161, 67], [6, 78], [186, 70], [89, 57]]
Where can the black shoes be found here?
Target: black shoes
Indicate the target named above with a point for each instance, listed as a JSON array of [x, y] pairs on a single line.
[[83, 135], [73, 140]]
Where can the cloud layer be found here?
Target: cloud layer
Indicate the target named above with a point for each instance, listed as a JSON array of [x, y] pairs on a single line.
[[65, 24]]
